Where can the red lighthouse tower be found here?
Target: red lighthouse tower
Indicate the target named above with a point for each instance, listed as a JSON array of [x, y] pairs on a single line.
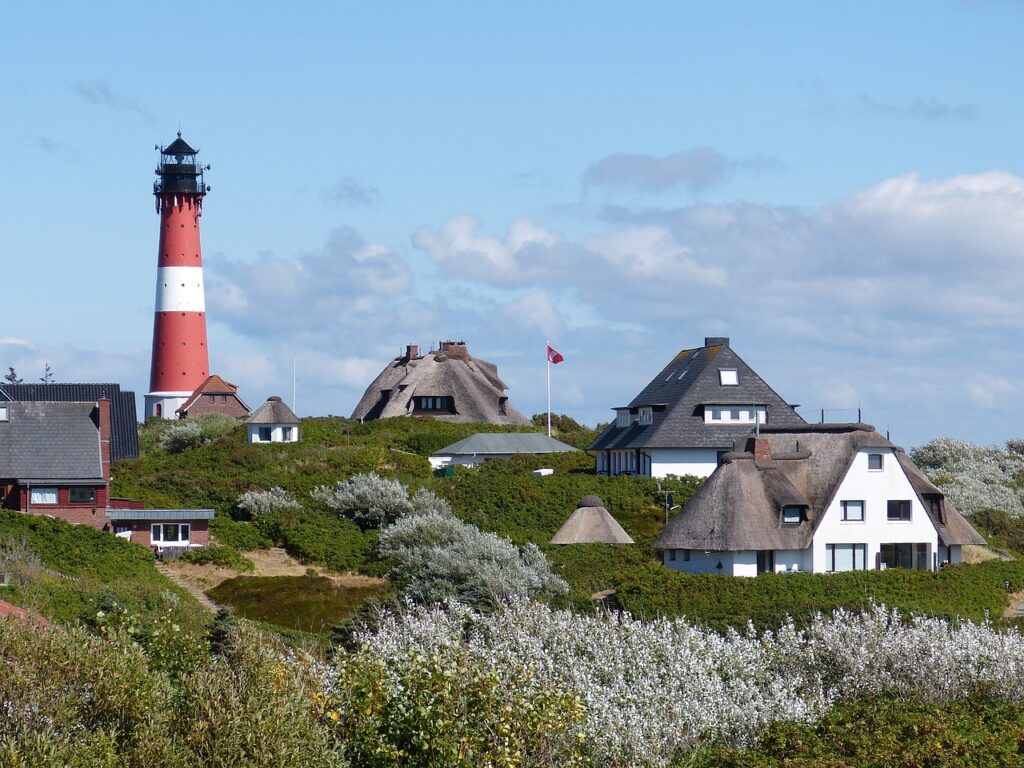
[[180, 357]]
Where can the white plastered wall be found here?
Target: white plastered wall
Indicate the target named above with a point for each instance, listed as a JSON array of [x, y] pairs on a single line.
[[700, 462]]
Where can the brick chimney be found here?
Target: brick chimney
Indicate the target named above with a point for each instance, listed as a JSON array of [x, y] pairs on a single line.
[[760, 447], [456, 349], [411, 351], [103, 405], [716, 341]]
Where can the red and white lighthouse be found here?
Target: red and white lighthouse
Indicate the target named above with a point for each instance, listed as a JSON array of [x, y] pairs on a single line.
[[181, 359]]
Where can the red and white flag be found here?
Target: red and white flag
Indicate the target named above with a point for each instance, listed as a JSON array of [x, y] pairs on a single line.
[[554, 356]]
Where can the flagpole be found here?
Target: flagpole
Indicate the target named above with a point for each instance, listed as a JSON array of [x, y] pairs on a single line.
[[547, 358]]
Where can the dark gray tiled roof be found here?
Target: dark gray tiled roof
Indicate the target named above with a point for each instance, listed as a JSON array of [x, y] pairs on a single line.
[[680, 391], [505, 443], [50, 442], [739, 506], [124, 428]]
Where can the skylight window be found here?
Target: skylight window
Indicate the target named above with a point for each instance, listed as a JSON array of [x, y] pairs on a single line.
[[670, 375], [728, 377]]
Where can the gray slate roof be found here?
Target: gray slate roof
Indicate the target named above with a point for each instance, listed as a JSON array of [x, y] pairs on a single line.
[[678, 395], [51, 442], [124, 427], [504, 443], [474, 384], [161, 514], [739, 507], [274, 411], [591, 523]]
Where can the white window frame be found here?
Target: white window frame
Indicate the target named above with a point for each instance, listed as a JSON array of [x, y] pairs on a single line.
[[3, 413], [881, 462], [269, 433], [844, 507], [181, 542], [728, 377], [622, 417], [286, 434], [646, 415], [48, 490]]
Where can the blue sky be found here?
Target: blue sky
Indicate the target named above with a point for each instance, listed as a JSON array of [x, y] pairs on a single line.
[[837, 187]]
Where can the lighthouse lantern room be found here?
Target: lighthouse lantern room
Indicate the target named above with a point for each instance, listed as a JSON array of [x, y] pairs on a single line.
[[180, 361]]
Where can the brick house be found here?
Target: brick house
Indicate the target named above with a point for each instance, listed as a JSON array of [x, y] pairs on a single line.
[[215, 395], [55, 461]]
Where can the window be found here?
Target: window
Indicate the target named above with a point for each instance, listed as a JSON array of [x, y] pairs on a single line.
[[686, 555], [286, 434], [83, 495], [646, 415], [845, 557], [791, 515], [671, 554], [44, 496], [728, 377], [874, 461], [853, 511], [934, 503], [898, 510], [622, 417], [3, 413], [670, 375], [714, 414], [170, 533], [264, 434]]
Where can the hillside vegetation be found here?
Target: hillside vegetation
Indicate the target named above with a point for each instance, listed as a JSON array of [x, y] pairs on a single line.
[[503, 497]]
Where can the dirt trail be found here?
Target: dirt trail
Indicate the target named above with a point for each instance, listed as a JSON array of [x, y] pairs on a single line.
[[197, 579]]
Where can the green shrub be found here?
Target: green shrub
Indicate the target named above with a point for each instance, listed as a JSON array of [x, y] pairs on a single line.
[[449, 709], [221, 556], [241, 536]]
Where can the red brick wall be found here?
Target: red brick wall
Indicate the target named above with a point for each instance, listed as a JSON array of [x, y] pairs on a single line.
[[142, 530], [86, 513]]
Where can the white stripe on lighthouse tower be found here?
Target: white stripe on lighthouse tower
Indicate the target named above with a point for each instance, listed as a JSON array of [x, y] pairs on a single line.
[[180, 289]]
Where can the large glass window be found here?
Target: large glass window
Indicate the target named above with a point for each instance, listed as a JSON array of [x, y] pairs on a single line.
[[44, 495], [845, 557], [170, 533], [898, 509], [83, 495], [853, 511], [265, 434]]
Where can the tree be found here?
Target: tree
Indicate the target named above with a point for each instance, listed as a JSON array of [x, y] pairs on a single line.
[[47, 377], [12, 376]]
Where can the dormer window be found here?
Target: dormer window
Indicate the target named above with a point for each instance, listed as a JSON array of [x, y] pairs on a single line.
[[646, 415], [728, 377], [434, 403], [735, 414], [622, 417], [792, 515]]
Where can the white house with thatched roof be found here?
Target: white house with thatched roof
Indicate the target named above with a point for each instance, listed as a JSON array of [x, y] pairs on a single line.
[[274, 422], [591, 523], [819, 498], [447, 384]]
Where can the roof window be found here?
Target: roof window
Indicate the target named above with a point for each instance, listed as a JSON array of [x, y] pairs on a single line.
[[3, 413], [646, 415], [728, 377], [622, 417]]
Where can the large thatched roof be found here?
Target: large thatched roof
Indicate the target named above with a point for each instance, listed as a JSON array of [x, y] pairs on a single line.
[[739, 507], [468, 388], [591, 523]]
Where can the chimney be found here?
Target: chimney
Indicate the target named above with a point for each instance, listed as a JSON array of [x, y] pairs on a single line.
[[411, 351], [456, 349], [760, 447], [103, 406], [716, 341]]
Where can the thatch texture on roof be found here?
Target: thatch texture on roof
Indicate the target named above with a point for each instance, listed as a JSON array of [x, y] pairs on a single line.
[[477, 393], [591, 523], [739, 506], [274, 411]]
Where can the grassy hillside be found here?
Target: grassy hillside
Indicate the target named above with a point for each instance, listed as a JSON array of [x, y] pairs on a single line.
[[68, 573], [504, 497]]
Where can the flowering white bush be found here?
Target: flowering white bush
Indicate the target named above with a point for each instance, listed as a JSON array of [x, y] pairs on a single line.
[[370, 500], [276, 499], [975, 477], [183, 436], [652, 689], [441, 557]]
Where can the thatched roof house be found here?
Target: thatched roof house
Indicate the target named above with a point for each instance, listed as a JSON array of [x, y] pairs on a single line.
[[591, 523], [448, 384], [816, 497], [273, 422]]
